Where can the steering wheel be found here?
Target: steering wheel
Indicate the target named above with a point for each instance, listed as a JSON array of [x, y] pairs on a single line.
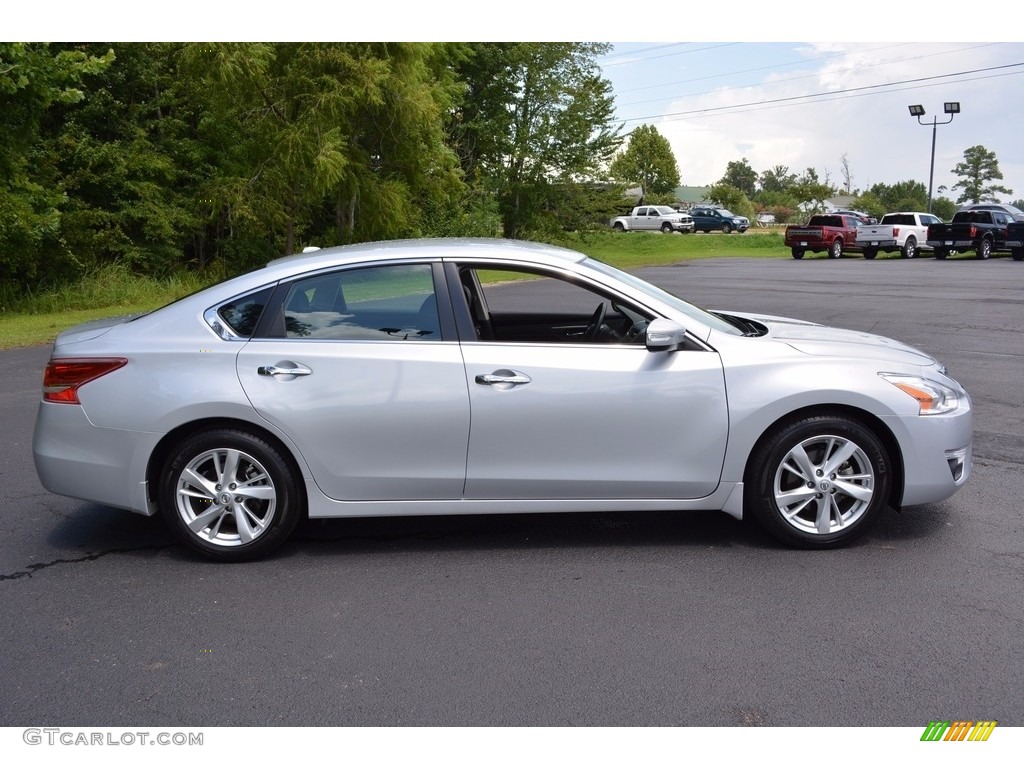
[[596, 320]]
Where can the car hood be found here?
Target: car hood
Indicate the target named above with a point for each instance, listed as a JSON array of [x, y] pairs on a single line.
[[815, 339]]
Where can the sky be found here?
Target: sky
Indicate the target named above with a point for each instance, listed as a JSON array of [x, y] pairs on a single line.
[[807, 105], [742, 85]]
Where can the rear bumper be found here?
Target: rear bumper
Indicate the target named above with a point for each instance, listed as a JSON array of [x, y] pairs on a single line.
[[75, 458]]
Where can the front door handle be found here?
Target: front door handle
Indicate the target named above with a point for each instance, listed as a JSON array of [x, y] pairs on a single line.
[[284, 368], [503, 377]]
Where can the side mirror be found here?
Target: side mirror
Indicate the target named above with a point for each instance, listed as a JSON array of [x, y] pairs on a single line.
[[664, 335]]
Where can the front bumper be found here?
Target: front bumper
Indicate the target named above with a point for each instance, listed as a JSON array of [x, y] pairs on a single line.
[[937, 453]]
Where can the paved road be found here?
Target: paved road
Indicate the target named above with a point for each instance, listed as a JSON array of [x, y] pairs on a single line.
[[607, 619]]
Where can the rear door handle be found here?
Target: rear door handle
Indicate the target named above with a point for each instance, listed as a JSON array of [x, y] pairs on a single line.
[[503, 377], [284, 368]]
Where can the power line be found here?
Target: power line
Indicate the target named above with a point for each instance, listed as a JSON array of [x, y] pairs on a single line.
[[806, 97]]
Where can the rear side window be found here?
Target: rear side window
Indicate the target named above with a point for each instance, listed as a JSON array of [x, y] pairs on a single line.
[[389, 303], [242, 314]]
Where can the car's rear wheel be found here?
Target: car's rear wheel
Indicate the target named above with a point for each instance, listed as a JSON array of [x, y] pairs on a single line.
[[1017, 254], [984, 248], [819, 481], [618, 226], [836, 250], [941, 253], [909, 249], [230, 494], [798, 253], [870, 253]]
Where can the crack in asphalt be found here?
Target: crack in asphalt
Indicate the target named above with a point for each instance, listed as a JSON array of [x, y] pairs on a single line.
[[36, 567]]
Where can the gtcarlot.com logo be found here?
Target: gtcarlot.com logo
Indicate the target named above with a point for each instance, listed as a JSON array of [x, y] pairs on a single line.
[[62, 737], [959, 730]]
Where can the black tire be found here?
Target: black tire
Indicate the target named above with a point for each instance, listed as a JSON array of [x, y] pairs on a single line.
[[909, 249], [244, 523], [726, 229], [984, 249], [1017, 254], [666, 228], [798, 253], [813, 496], [706, 231], [835, 251], [870, 253], [941, 253], [618, 226]]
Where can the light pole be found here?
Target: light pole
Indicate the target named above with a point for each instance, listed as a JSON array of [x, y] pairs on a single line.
[[951, 108]]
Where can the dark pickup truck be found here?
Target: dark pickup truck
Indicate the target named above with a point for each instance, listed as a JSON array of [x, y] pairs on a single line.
[[1015, 240], [831, 232], [984, 231]]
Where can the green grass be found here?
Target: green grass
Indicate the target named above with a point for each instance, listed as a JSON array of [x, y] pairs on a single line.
[[38, 318]]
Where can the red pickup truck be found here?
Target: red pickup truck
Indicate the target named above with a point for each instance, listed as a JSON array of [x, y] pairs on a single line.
[[825, 232]]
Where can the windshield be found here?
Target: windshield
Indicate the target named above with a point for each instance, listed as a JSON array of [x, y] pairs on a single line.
[[696, 313]]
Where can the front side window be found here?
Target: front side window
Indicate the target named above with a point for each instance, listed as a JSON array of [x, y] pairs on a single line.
[[527, 306], [386, 303]]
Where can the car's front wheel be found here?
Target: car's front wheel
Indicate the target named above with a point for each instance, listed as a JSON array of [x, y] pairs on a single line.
[[819, 481], [726, 229], [230, 494], [666, 228]]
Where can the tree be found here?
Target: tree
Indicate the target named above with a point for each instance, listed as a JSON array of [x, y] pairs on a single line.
[[813, 191], [902, 196], [844, 166], [732, 198], [648, 161], [740, 175], [535, 117], [978, 169], [33, 79], [778, 179]]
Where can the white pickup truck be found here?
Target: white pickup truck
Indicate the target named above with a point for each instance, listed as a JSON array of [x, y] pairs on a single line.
[[653, 217], [905, 232]]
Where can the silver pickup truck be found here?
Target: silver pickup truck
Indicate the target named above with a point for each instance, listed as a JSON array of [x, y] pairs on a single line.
[[654, 217], [905, 232]]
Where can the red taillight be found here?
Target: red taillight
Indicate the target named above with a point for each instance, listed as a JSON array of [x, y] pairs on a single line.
[[64, 376], [974, 232], [895, 231]]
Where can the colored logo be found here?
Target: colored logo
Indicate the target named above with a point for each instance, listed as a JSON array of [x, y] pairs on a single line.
[[959, 730]]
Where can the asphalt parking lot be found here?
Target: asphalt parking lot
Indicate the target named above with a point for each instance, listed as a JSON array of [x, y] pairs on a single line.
[[611, 619]]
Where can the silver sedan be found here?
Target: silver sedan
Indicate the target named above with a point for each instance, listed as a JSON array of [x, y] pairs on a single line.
[[475, 376]]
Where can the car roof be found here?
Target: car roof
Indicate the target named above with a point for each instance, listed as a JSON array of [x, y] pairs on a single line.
[[426, 248]]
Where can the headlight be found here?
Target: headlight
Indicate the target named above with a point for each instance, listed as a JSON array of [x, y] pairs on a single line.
[[931, 396]]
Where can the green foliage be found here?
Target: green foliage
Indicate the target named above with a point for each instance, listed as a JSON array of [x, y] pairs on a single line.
[[977, 172], [732, 198], [741, 176], [810, 189], [777, 180], [35, 78], [534, 117], [943, 207], [649, 162]]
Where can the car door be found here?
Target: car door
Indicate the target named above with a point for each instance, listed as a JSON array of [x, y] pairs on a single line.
[[362, 370], [581, 413]]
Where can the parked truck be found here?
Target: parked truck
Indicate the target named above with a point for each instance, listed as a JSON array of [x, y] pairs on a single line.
[[654, 217], [983, 231], [1015, 239], [905, 232], [826, 232]]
